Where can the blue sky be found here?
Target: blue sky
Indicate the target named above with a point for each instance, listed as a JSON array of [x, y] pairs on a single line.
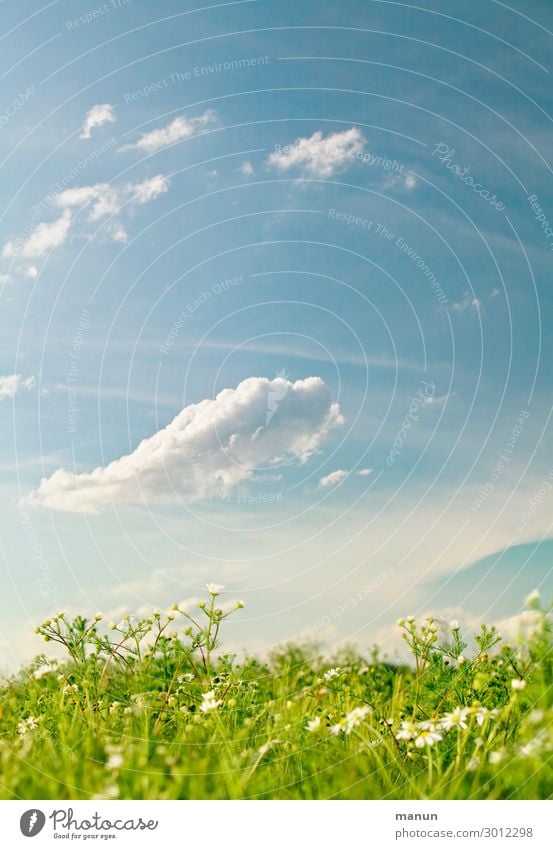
[[280, 274]]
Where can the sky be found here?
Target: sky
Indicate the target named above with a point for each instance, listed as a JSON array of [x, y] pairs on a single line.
[[275, 310]]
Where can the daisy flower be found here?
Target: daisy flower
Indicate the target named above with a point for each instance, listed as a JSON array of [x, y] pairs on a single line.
[[407, 731], [209, 702], [457, 718], [313, 724], [427, 737], [215, 589]]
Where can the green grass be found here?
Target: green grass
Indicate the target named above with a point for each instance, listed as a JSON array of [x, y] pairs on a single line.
[[122, 716]]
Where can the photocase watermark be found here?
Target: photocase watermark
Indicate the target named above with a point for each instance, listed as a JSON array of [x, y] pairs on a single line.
[[503, 460], [423, 396], [277, 393], [260, 499], [203, 298], [17, 104], [445, 154], [527, 517], [198, 71], [380, 229], [44, 582], [96, 13], [541, 218], [73, 372], [350, 604]]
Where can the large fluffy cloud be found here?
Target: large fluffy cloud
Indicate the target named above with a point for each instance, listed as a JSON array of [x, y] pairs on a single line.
[[318, 155], [208, 450], [180, 128]]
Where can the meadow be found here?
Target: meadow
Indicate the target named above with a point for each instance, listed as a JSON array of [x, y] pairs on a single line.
[[153, 708]]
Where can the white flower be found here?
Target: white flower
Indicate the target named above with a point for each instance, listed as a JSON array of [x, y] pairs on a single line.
[[427, 737], [456, 719], [339, 728], [114, 761], [28, 724], [209, 702], [518, 684], [454, 625], [473, 764], [215, 589], [355, 718], [461, 659], [407, 731], [533, 597], [332, 673], [496, 757], [313, 724], [536, 716]]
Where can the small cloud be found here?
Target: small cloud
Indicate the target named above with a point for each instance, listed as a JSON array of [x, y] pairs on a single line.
[[31, 272], [494, 293], [100, 114], [247, 169], [42, 239], [468, 302], [410, 181], [11, 384], [364, 473], [319, 155], [180, 128], [333, 479], [148, 190]]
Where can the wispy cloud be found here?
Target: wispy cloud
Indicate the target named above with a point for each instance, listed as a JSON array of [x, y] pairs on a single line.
[[180, 128], [100, 114], [11, 384], [208, 450], [333, 479], [41, 240]]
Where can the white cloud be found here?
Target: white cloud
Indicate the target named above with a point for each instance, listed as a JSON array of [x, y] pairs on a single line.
[[468, 302], [31, 272], [148, 190], [247, 169], [180, 128], [100, 199], [318, 155], [100, 114], [42, 239], [103, 199], [208, 449], [11, 384], [364, 473], [333, 478]]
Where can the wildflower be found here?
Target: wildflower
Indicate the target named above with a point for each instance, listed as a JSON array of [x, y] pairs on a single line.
[[339, 728], [313, 724], [454, 625], [433, 627], [456, 719], [98, 617], [186, 678], [334, 672], [532, 598], [461, 659], [355, 717], [410, 619], [209, 702], [496, 757], [215, 589], [518, 684], [428, 736], [114, 761], [400, 623], [27, 725], [473, 764], [407, 731], [239, 604]]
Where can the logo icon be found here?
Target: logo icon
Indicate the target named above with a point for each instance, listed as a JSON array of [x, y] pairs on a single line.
[[278, 389], [32, 822]]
